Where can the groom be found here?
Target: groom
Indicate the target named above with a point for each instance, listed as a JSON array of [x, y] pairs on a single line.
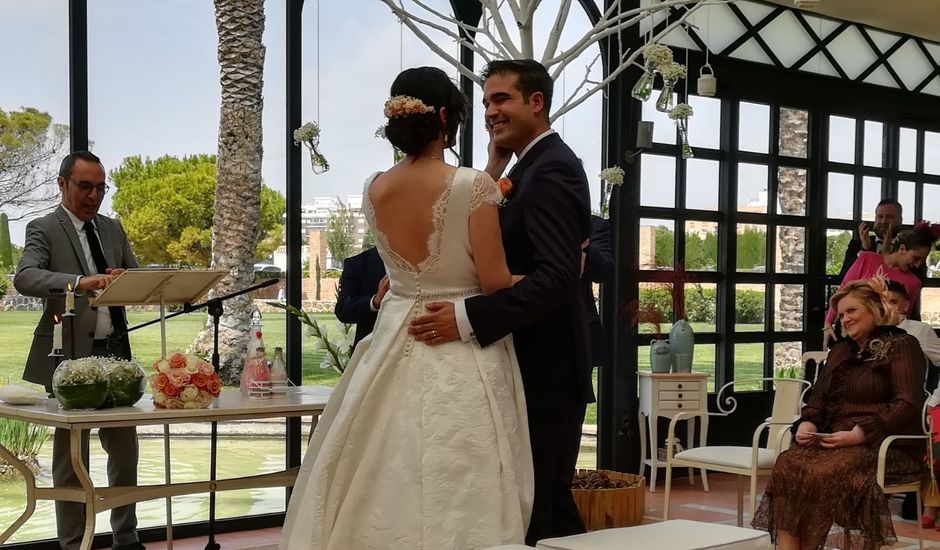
[[544, 223]]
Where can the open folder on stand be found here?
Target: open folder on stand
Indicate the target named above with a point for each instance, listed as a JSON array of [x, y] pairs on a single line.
[[155, 286]]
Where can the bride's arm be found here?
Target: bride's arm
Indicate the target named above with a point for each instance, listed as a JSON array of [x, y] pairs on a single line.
[[486, 243]]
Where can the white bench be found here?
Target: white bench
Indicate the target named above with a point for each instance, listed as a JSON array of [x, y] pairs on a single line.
[[677, 534]]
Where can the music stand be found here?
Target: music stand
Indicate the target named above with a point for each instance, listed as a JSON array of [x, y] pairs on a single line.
[[160, 286]]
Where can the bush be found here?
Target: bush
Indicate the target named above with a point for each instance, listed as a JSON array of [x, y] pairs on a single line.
[[700, 304], [24, 440], [4, 284]]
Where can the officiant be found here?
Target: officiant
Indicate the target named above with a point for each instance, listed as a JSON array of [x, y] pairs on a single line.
[[75, 248]]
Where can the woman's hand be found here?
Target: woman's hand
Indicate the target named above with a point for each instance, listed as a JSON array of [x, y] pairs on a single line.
[[855, 436], [829, 336], [802, 433]]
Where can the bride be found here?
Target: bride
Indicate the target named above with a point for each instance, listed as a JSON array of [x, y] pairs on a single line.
[[422, 447]]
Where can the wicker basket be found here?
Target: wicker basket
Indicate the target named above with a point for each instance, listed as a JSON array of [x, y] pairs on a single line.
[[606, 508]]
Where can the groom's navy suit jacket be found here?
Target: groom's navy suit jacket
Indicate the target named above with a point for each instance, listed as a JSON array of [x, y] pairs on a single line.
[[545, 220]]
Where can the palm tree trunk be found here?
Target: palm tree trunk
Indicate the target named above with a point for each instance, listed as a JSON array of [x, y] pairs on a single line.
[[240, 24]]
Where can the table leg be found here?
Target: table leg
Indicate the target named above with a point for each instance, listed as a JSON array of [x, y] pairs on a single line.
[[167, 479], [689, 434], [642, 425], [30, 480], [654, 450], [703, 440], [81, 472]]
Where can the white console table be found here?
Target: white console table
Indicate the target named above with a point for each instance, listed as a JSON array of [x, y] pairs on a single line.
[[665, 395]]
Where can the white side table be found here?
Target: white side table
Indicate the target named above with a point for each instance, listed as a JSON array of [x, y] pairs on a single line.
[[665, 395]]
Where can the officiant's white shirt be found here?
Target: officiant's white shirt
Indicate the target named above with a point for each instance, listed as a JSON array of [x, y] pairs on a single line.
[[103, 321], [460, 308]]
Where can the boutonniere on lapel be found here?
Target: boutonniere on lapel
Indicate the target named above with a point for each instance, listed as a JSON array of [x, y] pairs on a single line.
[[505, 189]]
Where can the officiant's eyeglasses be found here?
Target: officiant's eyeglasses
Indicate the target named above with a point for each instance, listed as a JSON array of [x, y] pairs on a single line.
[[86, 187]]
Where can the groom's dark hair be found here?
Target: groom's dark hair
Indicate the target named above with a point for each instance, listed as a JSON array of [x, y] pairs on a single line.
[[533, 77]]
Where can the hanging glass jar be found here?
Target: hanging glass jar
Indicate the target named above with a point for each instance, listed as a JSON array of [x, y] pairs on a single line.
[[683, 125], [667, 97], [643, 89]]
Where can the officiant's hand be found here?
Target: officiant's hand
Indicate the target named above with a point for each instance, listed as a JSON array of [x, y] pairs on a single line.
[[115, 272], [438, 327], [94, 282]]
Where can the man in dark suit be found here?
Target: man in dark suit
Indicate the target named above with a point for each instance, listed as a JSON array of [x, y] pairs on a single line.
[[75, 246], [888, 216], [544, 223], [598, 268], [362, 286]]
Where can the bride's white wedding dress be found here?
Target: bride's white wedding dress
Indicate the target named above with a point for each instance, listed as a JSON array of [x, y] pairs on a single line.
[[420, 447]]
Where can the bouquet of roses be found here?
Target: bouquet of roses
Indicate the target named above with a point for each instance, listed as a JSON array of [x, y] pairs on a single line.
[[184, 381]]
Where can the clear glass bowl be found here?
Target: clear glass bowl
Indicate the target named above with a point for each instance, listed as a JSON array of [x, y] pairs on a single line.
[[81, 383]]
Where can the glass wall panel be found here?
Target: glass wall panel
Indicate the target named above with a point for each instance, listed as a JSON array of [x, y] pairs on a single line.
[[748, 364], [931, 202], [705, 127], [749, 307], [787, 355], [791, 191], [794, 132], [874, 143], [790, 249], [752, 187], [654, 311], [841, 139], [701, 306], [754, 127], [906, 193], [837, 240], [664, 130], [701, 245], [839, 196], [788, 307], [871, 196], [658, 181], [930, 305], [752, 247], [907, 151], [701, 184], [931, 158], [657, 244]]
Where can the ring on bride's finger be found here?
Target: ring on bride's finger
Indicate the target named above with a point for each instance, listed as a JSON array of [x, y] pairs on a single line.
[[434, 333]]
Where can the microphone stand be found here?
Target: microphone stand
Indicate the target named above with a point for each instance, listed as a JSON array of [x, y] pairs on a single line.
[[215, 309]]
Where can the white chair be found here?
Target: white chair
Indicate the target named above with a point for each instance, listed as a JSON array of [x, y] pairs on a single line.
[[913, 487], [750, 461], [818, 357]]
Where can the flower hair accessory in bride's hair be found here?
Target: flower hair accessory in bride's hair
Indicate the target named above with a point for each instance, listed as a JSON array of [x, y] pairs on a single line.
[[405, 105]]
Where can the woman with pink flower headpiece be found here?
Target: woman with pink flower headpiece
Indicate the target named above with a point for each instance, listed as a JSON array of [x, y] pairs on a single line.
[[898, 261]]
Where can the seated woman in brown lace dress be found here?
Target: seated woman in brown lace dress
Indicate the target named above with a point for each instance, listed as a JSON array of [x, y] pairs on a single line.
[[872, 387]]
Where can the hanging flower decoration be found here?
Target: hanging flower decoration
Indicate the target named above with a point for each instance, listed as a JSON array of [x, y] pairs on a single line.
[[610, 177], [932, 228], [672, 71], [680, 114], [309, 135], [657, 55]]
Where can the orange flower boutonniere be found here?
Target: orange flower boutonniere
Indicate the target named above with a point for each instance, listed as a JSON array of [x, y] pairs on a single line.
[[505, 189]]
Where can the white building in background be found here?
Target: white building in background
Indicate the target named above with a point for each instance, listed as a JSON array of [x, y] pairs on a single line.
[[315, 216]]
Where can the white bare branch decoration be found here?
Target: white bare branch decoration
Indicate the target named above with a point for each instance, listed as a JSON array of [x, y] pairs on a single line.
[[507, 31]]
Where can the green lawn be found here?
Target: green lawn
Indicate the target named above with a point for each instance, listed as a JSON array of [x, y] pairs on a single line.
[[16, 329]]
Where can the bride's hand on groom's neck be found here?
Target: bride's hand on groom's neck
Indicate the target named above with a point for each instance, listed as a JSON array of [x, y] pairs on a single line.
[[499, 157]]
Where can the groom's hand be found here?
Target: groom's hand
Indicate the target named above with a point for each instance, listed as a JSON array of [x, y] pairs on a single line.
[[439, 326]]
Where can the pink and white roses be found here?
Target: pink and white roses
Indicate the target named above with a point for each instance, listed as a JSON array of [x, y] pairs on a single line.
[[184, 381]]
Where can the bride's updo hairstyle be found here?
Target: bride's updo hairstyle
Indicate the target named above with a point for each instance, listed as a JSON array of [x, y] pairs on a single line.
[[411, 127]]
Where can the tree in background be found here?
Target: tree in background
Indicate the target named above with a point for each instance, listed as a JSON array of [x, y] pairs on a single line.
[[167, 207], [236, 220], [835, 251], [368, 239], [339, 233], [6, 246], [30, 148]]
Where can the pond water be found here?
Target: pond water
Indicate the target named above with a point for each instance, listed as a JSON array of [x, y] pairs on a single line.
[[190, 458]]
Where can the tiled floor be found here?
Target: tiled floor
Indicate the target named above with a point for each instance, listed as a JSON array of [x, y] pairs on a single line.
[[716, 506]]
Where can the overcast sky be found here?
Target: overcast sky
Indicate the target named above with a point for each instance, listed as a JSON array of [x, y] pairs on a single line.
[[154, 90]]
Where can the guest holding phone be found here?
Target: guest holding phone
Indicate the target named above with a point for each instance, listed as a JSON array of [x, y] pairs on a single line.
[[872, 387]]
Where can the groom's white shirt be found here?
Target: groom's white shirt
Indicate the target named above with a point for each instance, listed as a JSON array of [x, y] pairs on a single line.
[[460, 308]]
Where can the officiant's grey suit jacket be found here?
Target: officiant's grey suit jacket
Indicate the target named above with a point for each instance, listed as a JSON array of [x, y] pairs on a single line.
[[52, 258]]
